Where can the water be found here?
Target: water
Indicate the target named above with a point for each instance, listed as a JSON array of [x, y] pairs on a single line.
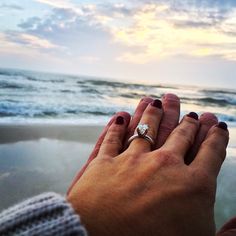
[[33, 97]]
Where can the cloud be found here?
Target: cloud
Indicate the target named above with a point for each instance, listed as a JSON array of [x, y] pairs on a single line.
[[14, 54], [139, 32], [57, 3], [165, 32], [192, 4], [29, 41], [31, 23], [11, 7], [116, 10], [76, 29]]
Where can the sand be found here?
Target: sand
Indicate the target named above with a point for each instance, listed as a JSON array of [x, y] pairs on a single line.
[[39, 158], [14, 133]]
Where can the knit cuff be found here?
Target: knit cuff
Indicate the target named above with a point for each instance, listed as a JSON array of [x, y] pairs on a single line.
[[46, 214]]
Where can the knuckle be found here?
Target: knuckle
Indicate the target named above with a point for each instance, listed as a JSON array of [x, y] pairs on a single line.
[[187, 137], [216, 147], [114, 129], [112, 141], [167, 158], [132, 158], [112, 138], [209, 144]]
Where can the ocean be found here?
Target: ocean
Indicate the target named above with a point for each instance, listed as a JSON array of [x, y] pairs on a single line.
[[35, 97]]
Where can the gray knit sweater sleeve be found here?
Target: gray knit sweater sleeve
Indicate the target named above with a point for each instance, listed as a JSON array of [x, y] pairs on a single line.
[[46, 214]]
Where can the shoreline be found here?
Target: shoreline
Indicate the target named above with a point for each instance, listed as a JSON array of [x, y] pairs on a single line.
[[11, 133]]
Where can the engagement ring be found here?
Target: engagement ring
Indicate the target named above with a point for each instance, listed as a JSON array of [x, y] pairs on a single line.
[[142, 130]]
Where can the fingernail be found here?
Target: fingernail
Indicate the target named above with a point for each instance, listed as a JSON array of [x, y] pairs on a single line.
[[146, 99], [222, 125], [120, 120], [157, 103], [193, 115]]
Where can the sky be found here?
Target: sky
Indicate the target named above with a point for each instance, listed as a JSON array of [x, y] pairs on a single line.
[[164, 41]]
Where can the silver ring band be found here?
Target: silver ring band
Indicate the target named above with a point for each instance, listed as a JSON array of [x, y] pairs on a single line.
[[146, 137], [142, 130]]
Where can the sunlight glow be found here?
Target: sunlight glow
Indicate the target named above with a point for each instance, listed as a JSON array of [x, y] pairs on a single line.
[[161, 37]]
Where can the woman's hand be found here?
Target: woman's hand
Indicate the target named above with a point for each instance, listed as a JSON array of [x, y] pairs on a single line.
[[170, 119], [144, 192]]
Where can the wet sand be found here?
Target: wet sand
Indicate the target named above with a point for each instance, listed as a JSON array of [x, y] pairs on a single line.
[[39, 158], [15, 133]]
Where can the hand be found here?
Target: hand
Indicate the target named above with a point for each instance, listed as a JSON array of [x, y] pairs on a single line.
[[139, 192], [170, 119]]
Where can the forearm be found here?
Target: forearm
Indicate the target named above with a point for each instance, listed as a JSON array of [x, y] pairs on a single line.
[[46, 214]]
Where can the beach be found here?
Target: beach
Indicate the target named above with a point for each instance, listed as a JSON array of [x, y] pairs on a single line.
[[49, 124], [40, 158]]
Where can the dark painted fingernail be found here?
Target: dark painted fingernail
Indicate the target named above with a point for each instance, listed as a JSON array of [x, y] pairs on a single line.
[[120, 120], [222, 125], [193, 115], [157, 103]]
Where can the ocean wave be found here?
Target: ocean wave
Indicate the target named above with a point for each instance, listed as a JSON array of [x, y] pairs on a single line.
[[100, 113], [17, 86], [8, 72], [90, 91], [222, 102], [131, 86], [132, 95], [7, 85], [107, 83], [67, 91], [78, 113], [218, 101], [226, 118], [218, 91], [140, 95], [7, 114], [44, 80], [34, 95], [32, 76], [31, 110]]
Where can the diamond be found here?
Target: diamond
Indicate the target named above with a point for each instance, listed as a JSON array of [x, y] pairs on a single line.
[[142, 129]]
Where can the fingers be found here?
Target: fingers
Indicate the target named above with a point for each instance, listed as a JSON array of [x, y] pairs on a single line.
[[207, 120], [212, 151], [113, 140], [152, 117], [96, 149], [182, 138], [170, 119], [137, 116]]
